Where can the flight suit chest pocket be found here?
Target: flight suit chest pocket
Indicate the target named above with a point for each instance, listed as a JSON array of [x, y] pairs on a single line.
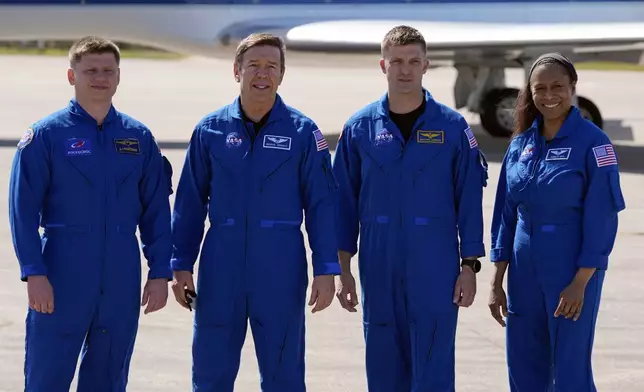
[[76, 155], [275, 160], [526, 161], [126, 160], [380, 151], [228, 150]]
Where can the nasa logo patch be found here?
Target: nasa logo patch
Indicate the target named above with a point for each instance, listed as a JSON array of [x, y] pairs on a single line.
[[233, 140], [383, 137], [26, 138], [527, 153]]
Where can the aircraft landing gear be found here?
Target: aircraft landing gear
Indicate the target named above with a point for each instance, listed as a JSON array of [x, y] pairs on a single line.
[[497, 111]]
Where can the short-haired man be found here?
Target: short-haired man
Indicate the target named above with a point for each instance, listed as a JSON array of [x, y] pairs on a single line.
[[254, 166], [411, 179], [89, 175]]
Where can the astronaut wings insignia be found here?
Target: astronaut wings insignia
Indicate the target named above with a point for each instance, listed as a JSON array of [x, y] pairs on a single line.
[[277, 142], [558, 154]]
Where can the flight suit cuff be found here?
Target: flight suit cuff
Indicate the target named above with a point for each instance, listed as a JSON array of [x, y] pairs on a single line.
[[32, 270], [330, 268], [181, 265], [587, 260], [472, 249], [160, 273], [499, 254]]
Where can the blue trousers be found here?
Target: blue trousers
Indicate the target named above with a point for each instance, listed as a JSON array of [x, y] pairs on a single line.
[[104, 341], [414, 352], [97, 303], [544, 353], [279, 337]]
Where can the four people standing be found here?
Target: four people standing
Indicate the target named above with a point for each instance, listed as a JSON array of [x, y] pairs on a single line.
[[407, 180]]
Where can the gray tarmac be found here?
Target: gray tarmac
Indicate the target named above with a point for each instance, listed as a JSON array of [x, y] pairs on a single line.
[[171, 96]]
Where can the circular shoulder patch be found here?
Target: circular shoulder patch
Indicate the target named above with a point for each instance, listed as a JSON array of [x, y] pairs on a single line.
[[26, 138]]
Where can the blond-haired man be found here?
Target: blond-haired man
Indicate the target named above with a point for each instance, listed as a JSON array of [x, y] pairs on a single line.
[[410, 180], [254, 166], [89, 175]]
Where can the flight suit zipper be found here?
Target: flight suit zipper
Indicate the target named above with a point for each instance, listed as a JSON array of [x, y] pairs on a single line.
[[103, 151]]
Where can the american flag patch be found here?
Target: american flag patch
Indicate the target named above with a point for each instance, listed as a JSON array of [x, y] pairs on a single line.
[[605, 155], [470, 137], [320, 141]]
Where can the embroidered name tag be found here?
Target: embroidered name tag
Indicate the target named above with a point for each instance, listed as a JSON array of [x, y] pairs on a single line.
[[78, 147], [558, 154], [277, 142], [431, 137], [127, 146]]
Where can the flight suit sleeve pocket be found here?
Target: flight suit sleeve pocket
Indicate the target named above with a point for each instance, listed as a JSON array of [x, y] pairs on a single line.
[[167, 169], [484, 168], [616, 191], [328, 174]]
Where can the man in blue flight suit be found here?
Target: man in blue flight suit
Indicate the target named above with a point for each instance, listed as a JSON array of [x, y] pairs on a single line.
[[89, 175], [411, 180], [554, 226], [254, 166]]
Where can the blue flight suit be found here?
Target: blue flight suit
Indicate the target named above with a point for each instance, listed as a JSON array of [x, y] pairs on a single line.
[[253, 261], [409, 204], [89, 188], [555, 211]]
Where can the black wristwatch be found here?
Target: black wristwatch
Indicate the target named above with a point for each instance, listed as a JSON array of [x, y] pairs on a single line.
[[474, 264]]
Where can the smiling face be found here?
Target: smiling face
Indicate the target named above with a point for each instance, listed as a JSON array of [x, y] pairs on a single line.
[[552, 90], [404, 66], [95, 77], [259, 72]]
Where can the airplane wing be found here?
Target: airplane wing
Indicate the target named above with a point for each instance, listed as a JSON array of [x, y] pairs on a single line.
[[366, 35]]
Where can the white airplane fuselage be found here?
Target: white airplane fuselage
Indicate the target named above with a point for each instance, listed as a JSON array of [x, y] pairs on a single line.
[[200, 29], [480, 38]]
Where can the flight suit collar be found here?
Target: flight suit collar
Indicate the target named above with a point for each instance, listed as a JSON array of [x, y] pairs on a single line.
[[75, 108], [430, 106], [568, 127], [277, 112], [430, 112]]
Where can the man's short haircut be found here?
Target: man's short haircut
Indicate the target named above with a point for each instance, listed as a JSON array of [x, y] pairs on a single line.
[[403, 35], [92, 45], [260, 39]]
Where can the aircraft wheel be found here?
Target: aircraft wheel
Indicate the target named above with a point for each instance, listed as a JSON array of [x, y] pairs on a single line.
[[497, 112], [590, 111]]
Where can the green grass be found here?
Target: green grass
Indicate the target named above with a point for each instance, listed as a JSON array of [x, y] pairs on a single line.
[[609, 66], [152, 54], [125, 53]]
